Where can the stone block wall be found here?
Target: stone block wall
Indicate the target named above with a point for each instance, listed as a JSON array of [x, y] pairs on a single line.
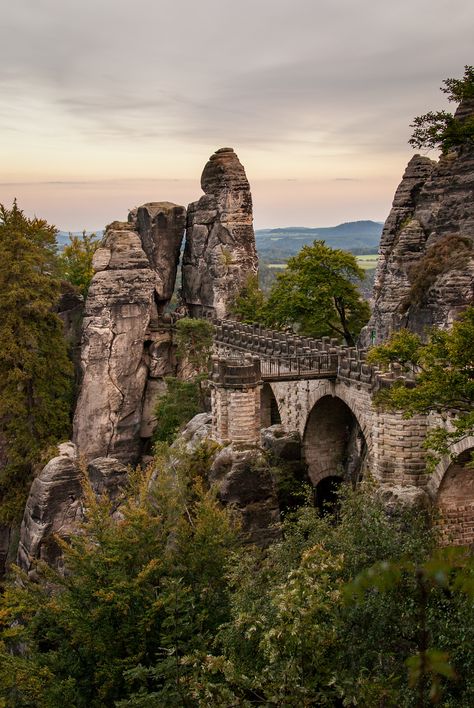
[[235, 398]]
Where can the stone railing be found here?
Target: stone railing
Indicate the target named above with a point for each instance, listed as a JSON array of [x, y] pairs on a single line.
[[286, 355]]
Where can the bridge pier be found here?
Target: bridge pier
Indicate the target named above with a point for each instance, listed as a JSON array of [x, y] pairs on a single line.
[[236, 386]]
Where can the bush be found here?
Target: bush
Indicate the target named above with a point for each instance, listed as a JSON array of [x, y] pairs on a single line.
[[181, 402]]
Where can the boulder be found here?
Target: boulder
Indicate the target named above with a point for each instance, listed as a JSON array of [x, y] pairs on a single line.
[[398, 498], [55, 506], [244, 481], [220, 252]]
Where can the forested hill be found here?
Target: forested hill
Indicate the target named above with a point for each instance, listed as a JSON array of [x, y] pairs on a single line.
[[355, 236]]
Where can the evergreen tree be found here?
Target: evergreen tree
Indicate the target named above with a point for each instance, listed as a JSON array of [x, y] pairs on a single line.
[[35, 372]]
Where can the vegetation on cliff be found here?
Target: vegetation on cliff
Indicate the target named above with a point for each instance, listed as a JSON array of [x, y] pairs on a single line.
[[35, 372], [184, 399], [444, 377], [442, 129]]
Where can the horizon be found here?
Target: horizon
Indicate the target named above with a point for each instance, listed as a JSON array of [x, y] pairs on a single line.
[[317, 101]]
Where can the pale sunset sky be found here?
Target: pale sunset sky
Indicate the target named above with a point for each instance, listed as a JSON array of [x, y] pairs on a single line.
[[107, 104]]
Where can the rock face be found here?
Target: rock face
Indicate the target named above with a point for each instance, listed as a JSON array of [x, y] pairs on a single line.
[[397, 499], [220, 251], [244, 481], [55, 507], [425, 273], [126, 345], [119, 307], [161, 227]]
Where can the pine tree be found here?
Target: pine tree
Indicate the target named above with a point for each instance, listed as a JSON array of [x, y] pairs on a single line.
[[35, 372]]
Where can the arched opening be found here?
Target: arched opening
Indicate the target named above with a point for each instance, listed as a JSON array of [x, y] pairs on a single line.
[[326, 494], [333, 442], [456, 502], [270, 415]]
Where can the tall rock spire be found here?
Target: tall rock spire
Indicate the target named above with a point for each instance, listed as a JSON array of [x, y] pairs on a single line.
[[220, 252]]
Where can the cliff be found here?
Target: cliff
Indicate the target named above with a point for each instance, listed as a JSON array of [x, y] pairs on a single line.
[[425, 274]]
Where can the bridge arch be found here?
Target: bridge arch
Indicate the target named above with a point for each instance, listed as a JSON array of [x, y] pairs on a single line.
[[451, 487], [269, 409], [334, 443]]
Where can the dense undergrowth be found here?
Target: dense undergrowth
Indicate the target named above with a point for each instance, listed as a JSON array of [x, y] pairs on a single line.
[[167, 605]]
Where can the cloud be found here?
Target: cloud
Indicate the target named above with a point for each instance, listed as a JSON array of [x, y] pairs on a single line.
[[262, 72]]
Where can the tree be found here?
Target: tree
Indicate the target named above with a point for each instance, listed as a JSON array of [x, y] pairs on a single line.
[[249, 304], [75, 261], [193, 339], [35, 372], [318, 293], [441, 129], [140, 592], [443, 369]]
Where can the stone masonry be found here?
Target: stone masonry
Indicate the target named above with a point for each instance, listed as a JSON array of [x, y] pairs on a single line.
[[325, 393]]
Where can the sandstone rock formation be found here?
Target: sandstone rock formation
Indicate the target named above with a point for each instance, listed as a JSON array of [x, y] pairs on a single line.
[[118, 310], [55, 505], [220, 251], [126, 345], [161, 227], [398, 498], [244, 481], [425, 273]]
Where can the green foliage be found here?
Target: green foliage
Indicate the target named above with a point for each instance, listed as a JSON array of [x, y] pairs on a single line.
[[249, 305], [444, 376], [194, 339], [294, 640], [317, 292], [164, 606], [441, 129], [141, 592], [449, 569], [75, 261], [181, 402], [35, 372]]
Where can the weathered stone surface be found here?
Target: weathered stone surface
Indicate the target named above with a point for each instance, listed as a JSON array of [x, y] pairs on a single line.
[[244, 481], [70, 310], [285, 445], [197, 430], [126, 346], [119, 307], [220, 251], [108, 477], [55, 504], [434, 203], [399, 498], [161, 227]]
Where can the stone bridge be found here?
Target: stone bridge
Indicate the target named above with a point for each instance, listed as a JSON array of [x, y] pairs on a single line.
[[325, 392]]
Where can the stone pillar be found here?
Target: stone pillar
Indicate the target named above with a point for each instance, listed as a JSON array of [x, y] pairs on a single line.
[[236, 391]]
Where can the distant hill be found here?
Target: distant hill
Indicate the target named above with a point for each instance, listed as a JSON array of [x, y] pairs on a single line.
[[355, 236], [360, 237]]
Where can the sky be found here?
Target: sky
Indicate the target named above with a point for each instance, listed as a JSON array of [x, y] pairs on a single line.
[[107, 104]]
